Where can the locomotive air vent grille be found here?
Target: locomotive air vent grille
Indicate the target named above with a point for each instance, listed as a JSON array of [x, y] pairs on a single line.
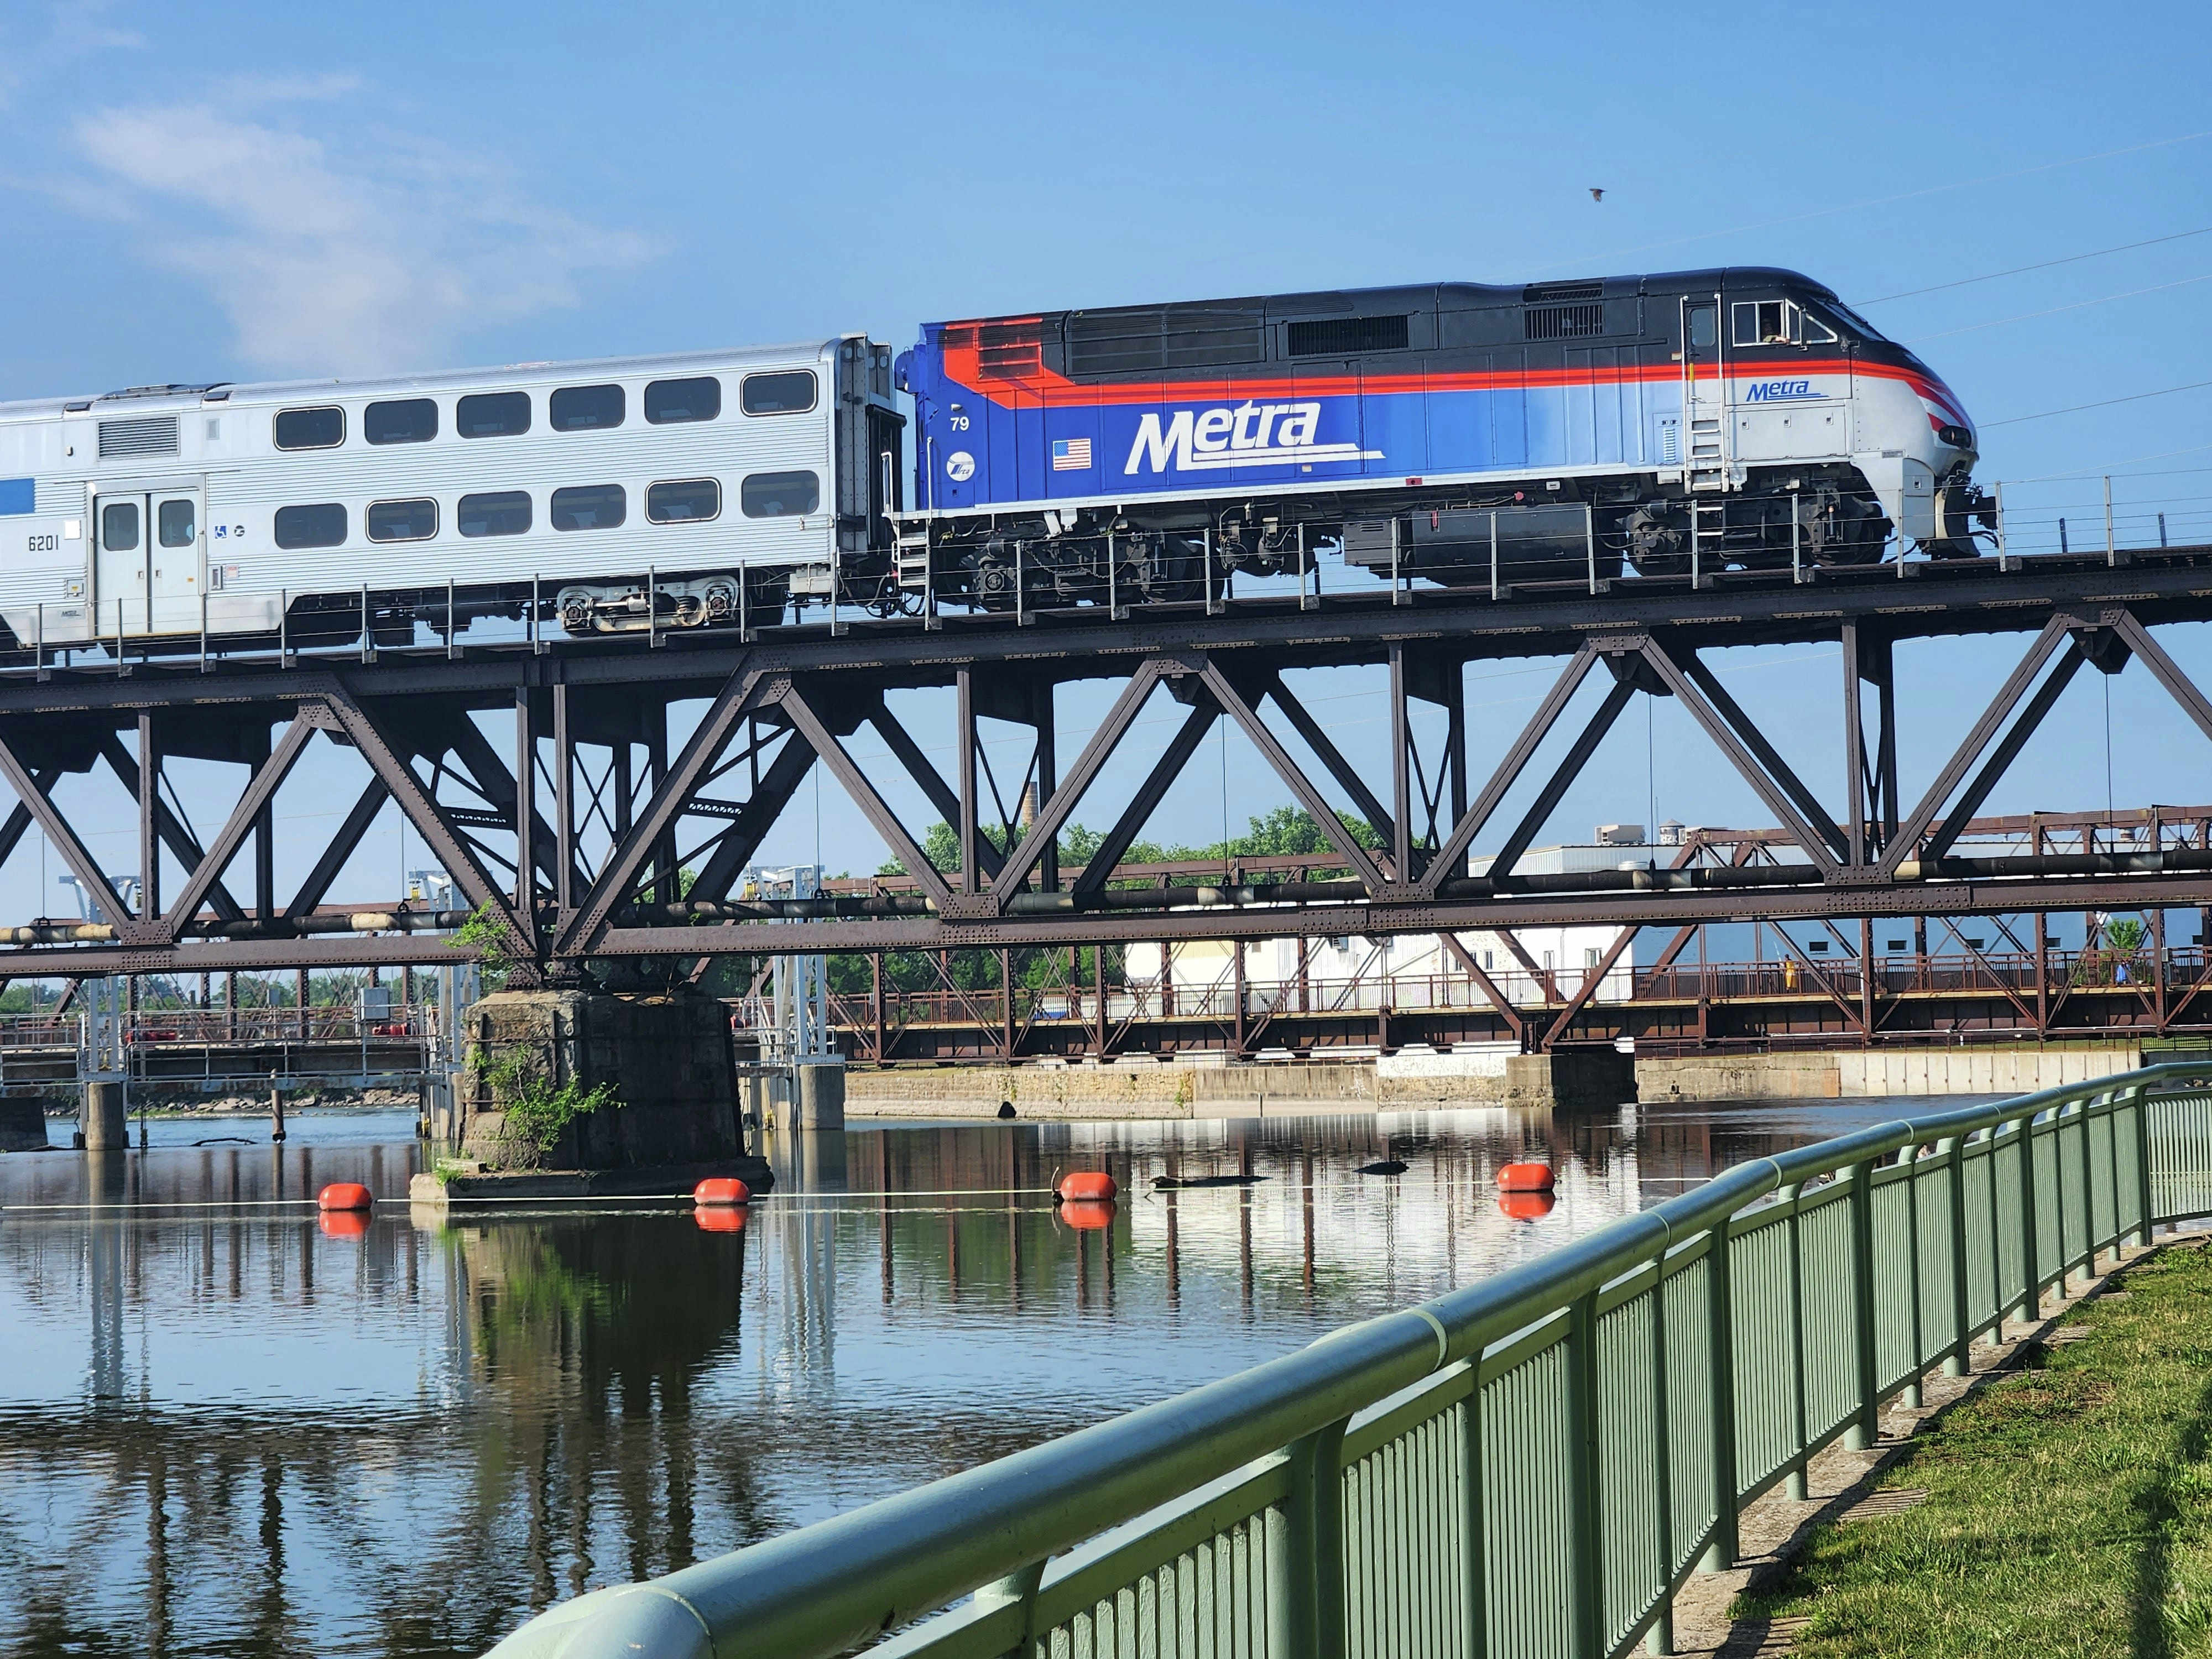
[[1147, 340], [1008, 351], [1545, 293], [143, 434], [1339, 336], [1580, 322]]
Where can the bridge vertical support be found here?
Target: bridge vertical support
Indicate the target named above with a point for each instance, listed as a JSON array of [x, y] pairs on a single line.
[[101, 1118]]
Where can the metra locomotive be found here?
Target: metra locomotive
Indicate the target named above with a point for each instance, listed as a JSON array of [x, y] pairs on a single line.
[[1744, 417], [1740, 417]]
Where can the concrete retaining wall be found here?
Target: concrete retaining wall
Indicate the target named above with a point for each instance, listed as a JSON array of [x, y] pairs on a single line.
[[1877, 1072], [1573, 1079]]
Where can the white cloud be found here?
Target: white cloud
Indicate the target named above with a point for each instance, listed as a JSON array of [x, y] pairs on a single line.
[[328, 264]]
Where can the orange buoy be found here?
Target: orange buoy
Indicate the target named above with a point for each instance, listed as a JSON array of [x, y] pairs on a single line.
[[1088, 1214], [1526, 1207], [345, 1195], [720, 1218], [1524, 1178], [343, 1224], [721, 1190], [1086, 1187]]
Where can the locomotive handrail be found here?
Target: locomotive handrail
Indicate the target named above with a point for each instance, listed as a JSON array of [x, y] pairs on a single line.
[[1536, 1461]]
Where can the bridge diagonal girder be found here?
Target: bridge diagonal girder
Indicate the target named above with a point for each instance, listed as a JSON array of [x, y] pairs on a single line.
[[1149, 794], [1817, 843], [1379, 818], [344, 839], [1508, 1010], [736, 846], [1815, 817], [31, 794], [926, 778], [1561, 779], [2002, 753], [140, 774], [833, 755], [2168, 673], [748, 689], [1053, 813], [1509, 770], [205, 876], [1970, 749], [1316, 805], [455, 855]]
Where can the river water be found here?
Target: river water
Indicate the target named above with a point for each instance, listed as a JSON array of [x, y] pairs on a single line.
[[228, 1427]]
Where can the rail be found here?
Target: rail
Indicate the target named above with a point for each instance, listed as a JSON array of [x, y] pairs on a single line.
[[1528, 1465]]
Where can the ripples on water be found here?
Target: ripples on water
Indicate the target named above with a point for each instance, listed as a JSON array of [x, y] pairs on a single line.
[[226, 1429]]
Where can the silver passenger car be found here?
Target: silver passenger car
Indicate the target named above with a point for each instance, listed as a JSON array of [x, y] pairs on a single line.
[[180, 510]]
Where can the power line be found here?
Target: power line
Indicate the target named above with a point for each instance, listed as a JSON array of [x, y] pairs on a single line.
[[2026, 316], [2106, 403], [2071, 258]]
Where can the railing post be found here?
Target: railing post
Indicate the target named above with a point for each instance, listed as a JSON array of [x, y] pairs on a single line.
[[1583, 1497], [1866, 1426], [2031, 1278], [1793, 1485], [1313, 1587], [2143, 1191], [1475, 1549], [1720, 1549], [1017, 1587], [2088, 1194], [1909, 1160], [1660, 1637], [1958, 1361]]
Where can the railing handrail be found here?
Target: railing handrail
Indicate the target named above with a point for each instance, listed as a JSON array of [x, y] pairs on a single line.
[[823, 1588]]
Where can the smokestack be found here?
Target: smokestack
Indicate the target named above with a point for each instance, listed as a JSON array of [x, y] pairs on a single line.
[[1029, 806]]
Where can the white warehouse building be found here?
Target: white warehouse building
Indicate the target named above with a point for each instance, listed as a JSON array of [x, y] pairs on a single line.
[[1412, 968]]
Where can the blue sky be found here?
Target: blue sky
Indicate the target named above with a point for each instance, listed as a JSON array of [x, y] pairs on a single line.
[[254, 190]]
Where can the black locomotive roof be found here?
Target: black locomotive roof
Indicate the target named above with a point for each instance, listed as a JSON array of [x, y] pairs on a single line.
[[1469, 296]]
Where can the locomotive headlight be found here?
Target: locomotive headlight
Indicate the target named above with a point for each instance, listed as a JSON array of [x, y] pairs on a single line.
[[1956, 437]]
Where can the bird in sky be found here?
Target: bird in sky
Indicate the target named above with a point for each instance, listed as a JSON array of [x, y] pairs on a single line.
[[1596, 193]]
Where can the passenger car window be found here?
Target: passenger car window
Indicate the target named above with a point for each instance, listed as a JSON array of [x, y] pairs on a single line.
[[686, 500], [323, 524], [588, 506], [119, 526], [787, 393], [494, 512], [779, 494], [696, 399], [586, 408], [402, 521], [173, 522], [401, 420], [492, 415], [310, 428]]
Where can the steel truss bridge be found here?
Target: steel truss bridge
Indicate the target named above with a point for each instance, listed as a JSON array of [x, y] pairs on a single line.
[[596, 828]]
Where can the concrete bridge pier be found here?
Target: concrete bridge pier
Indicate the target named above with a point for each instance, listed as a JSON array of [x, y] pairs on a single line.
[[101, 1119], [819, 1086]]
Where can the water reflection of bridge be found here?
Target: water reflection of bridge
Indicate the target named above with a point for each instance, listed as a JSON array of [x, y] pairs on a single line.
[[595, 1397]]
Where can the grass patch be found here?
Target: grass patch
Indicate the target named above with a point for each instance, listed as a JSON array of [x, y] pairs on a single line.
[[2069, 1509]]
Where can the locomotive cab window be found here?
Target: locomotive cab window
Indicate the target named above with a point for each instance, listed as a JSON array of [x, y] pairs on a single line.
[[1778, 322], [588, 506], [1703, 328], [402, 521], [780, 495], [791, 393], [492, 415], [323, 524], [586, 407], [400, 421], [687, 500], [310, 428], [699, 398], [494, 512]]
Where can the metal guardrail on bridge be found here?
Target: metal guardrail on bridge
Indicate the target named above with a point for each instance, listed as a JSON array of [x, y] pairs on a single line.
[[1530, 1465]]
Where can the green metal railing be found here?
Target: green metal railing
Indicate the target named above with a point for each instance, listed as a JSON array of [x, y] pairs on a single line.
[[1527, 1466]]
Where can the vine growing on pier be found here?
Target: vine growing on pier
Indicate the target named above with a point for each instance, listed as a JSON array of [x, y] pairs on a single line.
[[538, 1111]]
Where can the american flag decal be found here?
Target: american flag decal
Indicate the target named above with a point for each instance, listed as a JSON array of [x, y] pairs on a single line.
[[1070, 454]]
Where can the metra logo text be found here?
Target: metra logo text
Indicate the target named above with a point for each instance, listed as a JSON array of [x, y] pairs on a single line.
[[1779, 392], [1250, 434]]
